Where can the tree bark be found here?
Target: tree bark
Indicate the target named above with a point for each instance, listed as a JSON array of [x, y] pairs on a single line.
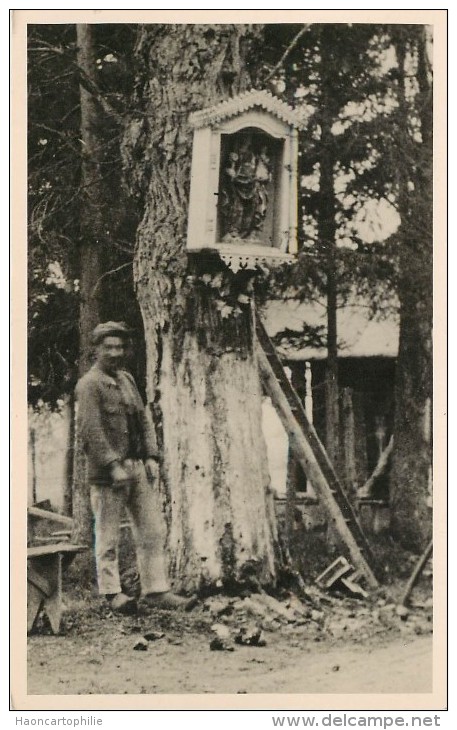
[[93, 224], [70, 460], [348, 444], [360, 436], [411, 516], [202, 377], [295, 473]]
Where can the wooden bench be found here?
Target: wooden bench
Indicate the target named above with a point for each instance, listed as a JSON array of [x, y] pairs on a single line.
[[45, 567], [46, 564]]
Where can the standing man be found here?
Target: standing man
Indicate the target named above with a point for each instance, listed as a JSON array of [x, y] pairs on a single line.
[[122, 460]]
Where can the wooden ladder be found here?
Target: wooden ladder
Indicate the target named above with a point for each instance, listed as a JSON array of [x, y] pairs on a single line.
[[309, 451]]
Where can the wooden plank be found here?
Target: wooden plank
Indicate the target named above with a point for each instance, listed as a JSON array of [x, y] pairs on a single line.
[[305, 454], [37, 551], [51, 516], [44, 580]]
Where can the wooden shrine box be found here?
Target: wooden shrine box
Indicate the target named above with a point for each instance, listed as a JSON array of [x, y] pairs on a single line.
[[243, 193]]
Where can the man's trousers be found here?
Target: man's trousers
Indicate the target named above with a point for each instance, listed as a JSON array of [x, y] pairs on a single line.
[[140, 501]]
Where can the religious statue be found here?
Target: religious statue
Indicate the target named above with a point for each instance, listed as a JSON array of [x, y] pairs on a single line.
[[243, 197]]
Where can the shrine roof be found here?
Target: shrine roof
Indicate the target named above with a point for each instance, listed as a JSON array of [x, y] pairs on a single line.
[[243, 103]]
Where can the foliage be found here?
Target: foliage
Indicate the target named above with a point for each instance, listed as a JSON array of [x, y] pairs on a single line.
[[361, 112], [55, 198]]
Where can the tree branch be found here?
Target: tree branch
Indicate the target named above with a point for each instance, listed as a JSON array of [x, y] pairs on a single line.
[[288, 50], [85, 81], [109, 273], [93, 89]]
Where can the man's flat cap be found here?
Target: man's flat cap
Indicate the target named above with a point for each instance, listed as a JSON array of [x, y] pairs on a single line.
[[109, 329]]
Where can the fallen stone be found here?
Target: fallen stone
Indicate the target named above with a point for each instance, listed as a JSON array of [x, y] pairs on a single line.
[[214, 604], [402, 611], [192, 602], [218, 644], [423, 604], [254, 607], [317, 615], [389, 607], [298, 607], [154, 635], [141, 645], [222, 632], [274, 606], [250, 636], [270, 625], [227, 610]]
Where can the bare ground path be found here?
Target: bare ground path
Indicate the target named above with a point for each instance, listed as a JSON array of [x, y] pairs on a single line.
[[348, 648], [66, 667]]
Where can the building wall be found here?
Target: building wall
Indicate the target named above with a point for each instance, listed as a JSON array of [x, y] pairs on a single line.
[[48, 453]]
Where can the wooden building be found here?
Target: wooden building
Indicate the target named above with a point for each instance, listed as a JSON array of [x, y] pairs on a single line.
[[366, 370]]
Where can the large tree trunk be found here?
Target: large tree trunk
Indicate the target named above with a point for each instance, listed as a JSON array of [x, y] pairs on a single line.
[[217, 478], [92, 235], [411, 520], [202, 376]]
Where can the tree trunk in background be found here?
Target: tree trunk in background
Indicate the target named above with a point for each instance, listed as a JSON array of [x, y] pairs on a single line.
[[360, 437], [411, 516], [70, 459], [93, 224], [348, 444], [295, 475], [92, 235], [327, 240], [202, 377]]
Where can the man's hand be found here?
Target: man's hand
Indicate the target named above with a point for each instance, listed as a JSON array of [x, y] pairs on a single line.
[[119, 475], [152, 468]]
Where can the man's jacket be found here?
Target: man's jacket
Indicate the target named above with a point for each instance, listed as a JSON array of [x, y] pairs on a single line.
[[112, 422]]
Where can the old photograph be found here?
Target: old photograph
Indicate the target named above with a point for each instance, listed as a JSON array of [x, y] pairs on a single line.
[[230, 342]]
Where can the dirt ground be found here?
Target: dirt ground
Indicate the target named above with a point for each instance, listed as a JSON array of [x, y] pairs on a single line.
[[322, 644]]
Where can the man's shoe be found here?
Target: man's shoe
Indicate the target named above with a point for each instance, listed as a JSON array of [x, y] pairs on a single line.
[[122, 603], [167, 600]]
